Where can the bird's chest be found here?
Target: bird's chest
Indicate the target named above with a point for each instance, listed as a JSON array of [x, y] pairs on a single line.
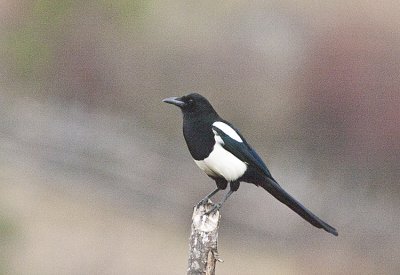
[[199, 139], [221, 163]]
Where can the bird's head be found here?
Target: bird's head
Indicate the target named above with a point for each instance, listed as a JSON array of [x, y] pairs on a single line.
[[191, 104]]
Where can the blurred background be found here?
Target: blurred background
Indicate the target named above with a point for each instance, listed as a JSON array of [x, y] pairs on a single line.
[[95, 177]]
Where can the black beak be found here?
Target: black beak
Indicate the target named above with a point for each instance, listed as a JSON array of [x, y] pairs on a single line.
[[174, 100]]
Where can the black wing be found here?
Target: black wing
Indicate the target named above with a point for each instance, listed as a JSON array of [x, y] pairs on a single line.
[[243, 151]]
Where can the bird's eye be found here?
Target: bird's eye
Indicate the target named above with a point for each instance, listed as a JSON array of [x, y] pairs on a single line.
[[190, 101]]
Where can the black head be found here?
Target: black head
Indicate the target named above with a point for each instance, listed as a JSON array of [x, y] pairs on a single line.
[[192, 104]]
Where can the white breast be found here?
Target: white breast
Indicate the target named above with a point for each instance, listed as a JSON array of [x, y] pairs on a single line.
[[221, 163]]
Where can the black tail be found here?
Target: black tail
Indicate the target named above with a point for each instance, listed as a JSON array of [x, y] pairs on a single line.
[[276, 190]]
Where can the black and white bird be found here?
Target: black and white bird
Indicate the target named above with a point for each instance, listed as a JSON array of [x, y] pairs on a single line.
[[224, 155]]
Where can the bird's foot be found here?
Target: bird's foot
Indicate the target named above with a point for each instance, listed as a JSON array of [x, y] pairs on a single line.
[[202, 202], [215, 208]]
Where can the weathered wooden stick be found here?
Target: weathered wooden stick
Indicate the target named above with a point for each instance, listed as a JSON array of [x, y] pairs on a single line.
[[203, 241]]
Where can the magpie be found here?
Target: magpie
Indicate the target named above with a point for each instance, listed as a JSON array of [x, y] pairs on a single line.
[[219, 149]]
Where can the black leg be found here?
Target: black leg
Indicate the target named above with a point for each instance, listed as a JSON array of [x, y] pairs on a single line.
[[206, 198], [219, 205], [234, 187], [221, 183]]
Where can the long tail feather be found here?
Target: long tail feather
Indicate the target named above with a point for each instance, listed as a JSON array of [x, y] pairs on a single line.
[[276, 190]]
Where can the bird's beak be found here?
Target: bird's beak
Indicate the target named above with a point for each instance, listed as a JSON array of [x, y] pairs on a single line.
[[174, 100]]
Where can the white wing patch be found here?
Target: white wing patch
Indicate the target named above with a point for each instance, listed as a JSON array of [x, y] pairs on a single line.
[[221, 163], [227, 130]]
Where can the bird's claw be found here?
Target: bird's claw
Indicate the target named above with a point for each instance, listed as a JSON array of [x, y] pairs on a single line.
[[215, 208], [202, 202]]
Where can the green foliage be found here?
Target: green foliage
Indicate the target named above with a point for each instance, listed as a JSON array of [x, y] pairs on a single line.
[[128, 11], [30, 46], [28, 52], [7, 234], [51, 13]]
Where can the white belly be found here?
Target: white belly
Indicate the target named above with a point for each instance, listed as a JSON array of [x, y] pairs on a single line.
[[221, 163]]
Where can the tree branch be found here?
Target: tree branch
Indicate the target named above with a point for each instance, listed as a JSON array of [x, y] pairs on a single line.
[[203, 240]]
